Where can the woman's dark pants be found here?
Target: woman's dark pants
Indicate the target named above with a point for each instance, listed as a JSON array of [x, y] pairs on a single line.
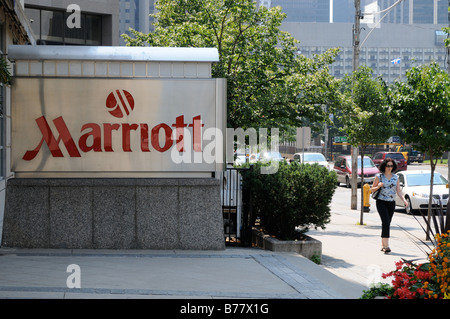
[[386, 211]]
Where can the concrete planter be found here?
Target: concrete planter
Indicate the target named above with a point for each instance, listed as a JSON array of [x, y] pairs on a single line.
[[308, 248]]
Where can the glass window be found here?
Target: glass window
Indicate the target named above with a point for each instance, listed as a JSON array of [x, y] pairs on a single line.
[[93, 30], [52, 27], [34, 16]]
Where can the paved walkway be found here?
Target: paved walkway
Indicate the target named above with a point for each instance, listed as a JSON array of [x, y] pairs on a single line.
[[233, 273], [353, 251], [351, 260]]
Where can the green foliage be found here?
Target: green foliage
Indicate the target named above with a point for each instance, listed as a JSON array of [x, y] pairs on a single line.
[[422, 106], [317, 259], [5, 76], [366, 119], [376, 290], [268, 83], [297, 195]]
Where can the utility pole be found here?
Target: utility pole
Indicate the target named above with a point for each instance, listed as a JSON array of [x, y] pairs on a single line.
[[356, 49]]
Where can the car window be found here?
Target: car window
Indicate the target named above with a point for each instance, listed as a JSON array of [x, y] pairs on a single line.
[[314, 157], [377, 156], [401, 178], [424, 179], [368, 163], [395, 156]]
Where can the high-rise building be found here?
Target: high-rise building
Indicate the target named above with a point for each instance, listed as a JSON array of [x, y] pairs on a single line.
[[342, 11], [410, 30], [135, 14]]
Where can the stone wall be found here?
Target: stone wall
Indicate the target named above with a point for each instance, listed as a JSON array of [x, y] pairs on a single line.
[[113, 214]]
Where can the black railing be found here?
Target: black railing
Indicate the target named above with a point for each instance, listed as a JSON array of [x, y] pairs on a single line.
[[236, 217]]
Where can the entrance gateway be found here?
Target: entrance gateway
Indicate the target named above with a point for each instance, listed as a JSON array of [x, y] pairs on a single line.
[[115, 148]]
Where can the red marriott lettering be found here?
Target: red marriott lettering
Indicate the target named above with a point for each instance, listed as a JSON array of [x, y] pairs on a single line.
[[94, 131]]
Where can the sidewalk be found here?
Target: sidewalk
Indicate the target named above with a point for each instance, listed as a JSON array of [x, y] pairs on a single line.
[[352, 251], [351, 260], [233, 273]]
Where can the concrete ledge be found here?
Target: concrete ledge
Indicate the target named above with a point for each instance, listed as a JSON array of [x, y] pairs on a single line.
[[307, 248]]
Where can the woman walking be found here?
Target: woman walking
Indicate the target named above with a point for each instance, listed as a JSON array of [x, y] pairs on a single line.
[[388, 184]]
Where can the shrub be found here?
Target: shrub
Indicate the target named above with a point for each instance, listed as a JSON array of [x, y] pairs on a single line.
[[292, 200]]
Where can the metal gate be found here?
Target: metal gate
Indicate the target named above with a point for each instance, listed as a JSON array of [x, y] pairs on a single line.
[[235, 215]]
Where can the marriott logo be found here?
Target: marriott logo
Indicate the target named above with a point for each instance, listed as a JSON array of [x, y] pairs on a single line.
[[98, 137]]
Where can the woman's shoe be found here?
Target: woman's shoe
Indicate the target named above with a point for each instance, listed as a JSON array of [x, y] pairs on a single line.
[[386, 250]]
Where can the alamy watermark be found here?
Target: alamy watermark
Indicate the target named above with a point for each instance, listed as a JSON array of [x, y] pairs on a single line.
[[73, 21], [247, 142], [74, 279]]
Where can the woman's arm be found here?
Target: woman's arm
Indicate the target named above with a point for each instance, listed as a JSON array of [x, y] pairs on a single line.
[[376, 184], [400, 194]]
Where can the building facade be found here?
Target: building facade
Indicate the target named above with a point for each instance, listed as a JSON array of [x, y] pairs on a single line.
[[47, 22], [63, 22], [135, 14], [14, 29], [409, 34]]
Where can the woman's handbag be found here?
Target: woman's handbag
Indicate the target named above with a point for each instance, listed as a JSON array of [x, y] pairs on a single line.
[[376, 193]]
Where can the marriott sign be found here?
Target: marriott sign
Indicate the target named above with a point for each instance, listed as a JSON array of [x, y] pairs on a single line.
[[117, 127]]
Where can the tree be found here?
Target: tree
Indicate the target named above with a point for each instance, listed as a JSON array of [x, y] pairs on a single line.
[[366, 120], [447, 44], [422, 107], [269, 84]]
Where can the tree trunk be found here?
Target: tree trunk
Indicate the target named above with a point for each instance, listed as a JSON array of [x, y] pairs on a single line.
[[363, 150], [430, 199]]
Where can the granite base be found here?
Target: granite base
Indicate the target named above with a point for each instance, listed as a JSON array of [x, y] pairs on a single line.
[[113, 214]]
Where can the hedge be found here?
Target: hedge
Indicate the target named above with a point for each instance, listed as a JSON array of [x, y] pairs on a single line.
[[292, 200]]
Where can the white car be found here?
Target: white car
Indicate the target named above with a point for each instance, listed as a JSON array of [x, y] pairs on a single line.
[[312, 158], [271, 156], [415, 186]]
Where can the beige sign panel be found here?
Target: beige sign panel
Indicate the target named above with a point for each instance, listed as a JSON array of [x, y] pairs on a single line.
[[118, 128]]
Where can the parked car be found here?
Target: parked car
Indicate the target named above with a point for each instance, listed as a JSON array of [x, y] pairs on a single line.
[[311, 158], [415, 186], [398, 157], [270, 156], [343, 169]]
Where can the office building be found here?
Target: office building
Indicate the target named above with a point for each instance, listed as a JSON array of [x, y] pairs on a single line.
[[47, 22], [14, 29], [84, 22], [135, 14], [411, 32]]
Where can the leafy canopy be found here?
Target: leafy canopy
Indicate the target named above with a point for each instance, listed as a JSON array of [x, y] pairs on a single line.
[[366, 120], [269, 84], [422, 106]]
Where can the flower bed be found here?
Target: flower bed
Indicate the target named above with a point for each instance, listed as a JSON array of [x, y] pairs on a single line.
[[430, 280]]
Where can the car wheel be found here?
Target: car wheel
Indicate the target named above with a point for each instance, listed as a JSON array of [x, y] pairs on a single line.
[[347, 182], [409, 209]]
